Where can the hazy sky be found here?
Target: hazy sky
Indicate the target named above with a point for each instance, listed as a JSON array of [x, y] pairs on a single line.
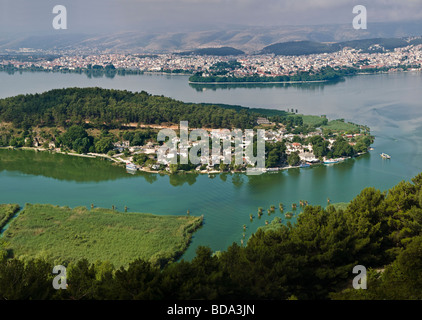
[[98, 16]]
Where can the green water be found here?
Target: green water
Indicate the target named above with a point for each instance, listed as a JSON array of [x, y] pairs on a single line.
[[389, 104]]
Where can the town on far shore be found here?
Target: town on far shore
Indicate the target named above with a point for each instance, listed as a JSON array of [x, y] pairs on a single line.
[[267, 66]]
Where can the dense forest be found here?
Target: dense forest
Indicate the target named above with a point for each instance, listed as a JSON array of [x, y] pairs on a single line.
[[312, 259], [115, 108]]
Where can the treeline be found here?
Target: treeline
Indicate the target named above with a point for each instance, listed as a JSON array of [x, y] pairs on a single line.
[[325, 74], [95, 71], [275, 153], [115, 108], [312, 259], [340, 148]]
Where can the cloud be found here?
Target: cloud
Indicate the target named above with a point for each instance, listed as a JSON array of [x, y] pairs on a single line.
[[171, 15]]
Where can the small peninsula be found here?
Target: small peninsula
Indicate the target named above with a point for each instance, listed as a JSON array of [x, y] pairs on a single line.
[[122, 127]]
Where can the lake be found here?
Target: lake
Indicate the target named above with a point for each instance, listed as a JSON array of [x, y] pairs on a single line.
[[390, 104]]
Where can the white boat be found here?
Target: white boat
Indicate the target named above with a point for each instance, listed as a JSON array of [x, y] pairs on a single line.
[[336, 160], [385, 156], [331, 161], [130, 166]]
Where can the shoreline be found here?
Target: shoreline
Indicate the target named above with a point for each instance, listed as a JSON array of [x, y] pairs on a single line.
[[258, 82], [309, 81], [119, 161]]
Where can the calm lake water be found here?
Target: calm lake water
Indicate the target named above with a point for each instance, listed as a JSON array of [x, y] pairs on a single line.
[[390, 104]]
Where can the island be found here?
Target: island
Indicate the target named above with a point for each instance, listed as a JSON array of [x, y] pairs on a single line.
[[122, 126], [224, 73]]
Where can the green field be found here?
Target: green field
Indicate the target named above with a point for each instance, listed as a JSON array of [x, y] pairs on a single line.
[[62, 234], [333, 125], [314, 121], [7, 211], [337, 125]]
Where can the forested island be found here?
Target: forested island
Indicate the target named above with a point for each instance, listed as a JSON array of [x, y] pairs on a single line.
[[122, 126], [221, 75], [312, 259], [326, 74]]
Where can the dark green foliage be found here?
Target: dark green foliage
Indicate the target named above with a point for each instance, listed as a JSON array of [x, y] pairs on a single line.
[[140, 158], [104, 145], [139, 137], [362, 144], [319, 145], [76, 138], [139, 282], [275, 154], [25, 280], [293, 159], [401, 280], [114, 108], [341, 148], [325, 74]]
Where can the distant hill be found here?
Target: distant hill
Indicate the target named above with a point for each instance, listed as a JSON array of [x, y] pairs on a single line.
[[371, 45], [250, 39], [222, 51], [295, 48]]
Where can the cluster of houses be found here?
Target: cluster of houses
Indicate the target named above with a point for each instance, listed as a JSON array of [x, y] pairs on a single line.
[[250, 65], [305, 152], [227, 143], [224, 154]]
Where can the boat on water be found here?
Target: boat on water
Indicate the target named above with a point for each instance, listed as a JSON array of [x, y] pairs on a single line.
[[304, 165], [385, 156], [331, 161], [131, 167]]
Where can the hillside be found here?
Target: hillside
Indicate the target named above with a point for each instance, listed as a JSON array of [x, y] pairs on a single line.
[[295, 48], [222, 51], [246, 38]]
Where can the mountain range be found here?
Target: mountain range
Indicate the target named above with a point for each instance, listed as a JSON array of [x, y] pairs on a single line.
[[245, 38]]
